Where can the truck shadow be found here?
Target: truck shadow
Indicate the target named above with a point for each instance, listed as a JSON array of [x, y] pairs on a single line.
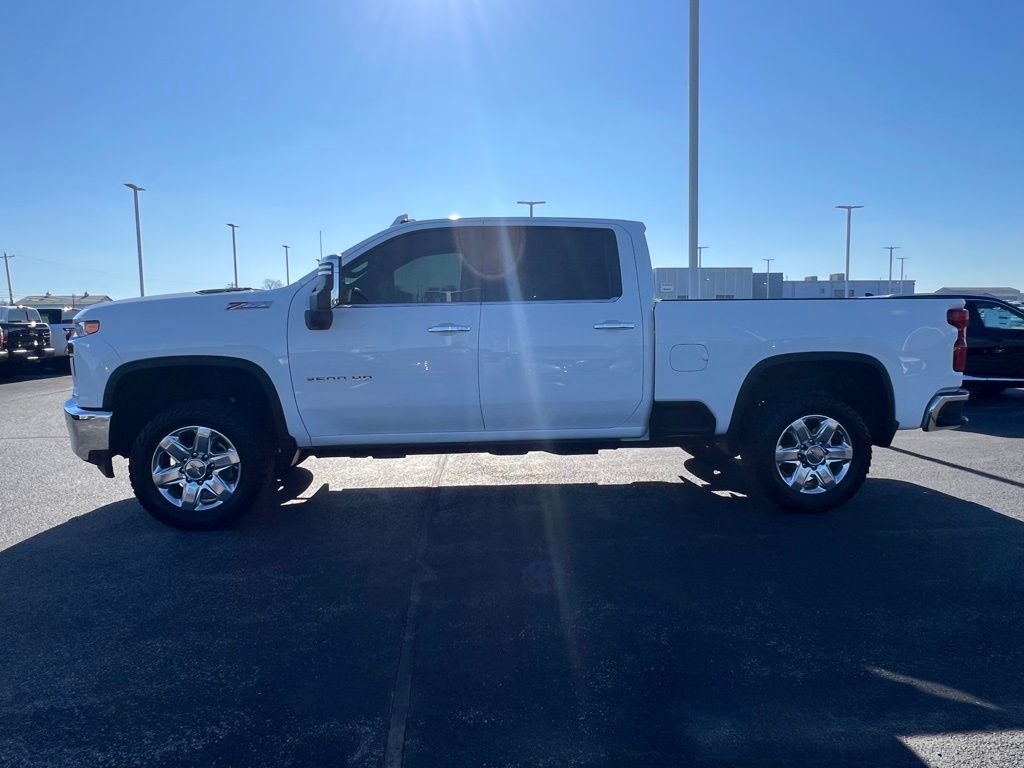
[[997, 415], [640, 624]]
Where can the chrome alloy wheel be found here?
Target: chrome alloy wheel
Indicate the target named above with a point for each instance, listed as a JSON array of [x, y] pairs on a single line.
[[196, 468], [813, 454]]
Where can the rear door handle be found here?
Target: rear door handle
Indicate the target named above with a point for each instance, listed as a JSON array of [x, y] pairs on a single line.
[[448, 328], [612, 325]]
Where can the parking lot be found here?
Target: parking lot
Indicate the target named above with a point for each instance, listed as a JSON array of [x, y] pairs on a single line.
[[630, 608]]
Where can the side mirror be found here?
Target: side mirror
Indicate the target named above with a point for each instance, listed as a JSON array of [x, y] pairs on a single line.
[[319, 316]]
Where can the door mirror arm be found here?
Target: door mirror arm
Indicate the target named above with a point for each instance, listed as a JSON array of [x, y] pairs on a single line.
[[320, 316]]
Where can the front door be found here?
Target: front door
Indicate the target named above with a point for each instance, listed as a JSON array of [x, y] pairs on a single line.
[[400, 360]]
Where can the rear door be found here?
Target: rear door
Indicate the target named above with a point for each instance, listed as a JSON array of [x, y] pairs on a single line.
[[400, 359], [561, 332]]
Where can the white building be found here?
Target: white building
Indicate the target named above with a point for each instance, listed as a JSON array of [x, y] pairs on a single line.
[[716, 282], [745, 283], [1007, 294], [814, 288]]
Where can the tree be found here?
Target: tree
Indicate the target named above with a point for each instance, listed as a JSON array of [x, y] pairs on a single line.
[[270, 284]]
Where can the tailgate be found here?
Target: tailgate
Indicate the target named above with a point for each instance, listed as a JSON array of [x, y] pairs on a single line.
[[27, 336]]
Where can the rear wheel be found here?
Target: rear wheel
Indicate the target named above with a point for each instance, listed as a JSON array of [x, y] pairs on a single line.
[[810, 455], [198, 465]]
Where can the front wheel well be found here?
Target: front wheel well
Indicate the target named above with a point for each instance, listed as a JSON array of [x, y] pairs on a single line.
[[857, 380], [138, 393]]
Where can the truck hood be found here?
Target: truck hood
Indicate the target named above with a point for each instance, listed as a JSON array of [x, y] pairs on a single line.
[[178, 304]]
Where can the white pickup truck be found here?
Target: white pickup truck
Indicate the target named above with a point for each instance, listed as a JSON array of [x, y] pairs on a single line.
[[501, 336]]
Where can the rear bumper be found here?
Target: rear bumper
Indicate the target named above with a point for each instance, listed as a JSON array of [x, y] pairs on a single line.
[[89, 430], [30, 355], [946, 410]]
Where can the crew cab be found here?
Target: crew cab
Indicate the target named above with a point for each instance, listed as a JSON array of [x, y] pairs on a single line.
[[501, 336], [24, 337]]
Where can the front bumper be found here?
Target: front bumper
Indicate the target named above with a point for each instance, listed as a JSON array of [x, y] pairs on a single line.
[[946, 410], [89, 430]]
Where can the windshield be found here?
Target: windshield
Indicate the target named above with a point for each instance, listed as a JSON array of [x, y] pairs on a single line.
[[23, 315]]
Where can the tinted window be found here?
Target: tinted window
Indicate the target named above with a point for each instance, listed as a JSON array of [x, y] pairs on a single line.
[[547, 264], [424, 267], [999, 316], [23, 315]]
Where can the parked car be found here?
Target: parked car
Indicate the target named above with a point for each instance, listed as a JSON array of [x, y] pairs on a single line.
[[504, 336], [995, 351], [24, 337], [61, 323]]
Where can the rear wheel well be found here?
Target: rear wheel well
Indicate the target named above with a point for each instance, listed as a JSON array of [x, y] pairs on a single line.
[[136, 395], [857, 380]]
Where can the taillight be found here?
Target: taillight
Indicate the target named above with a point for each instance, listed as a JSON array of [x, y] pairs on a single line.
[[958, 319], [3, 339]]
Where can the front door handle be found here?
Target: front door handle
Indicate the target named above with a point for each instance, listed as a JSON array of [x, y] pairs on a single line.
[[448, 328], [613, 325]]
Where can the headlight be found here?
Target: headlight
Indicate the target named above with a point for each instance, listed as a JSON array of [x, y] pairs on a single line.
[[86, 328]]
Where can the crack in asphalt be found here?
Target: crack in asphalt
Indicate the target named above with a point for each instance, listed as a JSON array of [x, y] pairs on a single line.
[[394, 750]]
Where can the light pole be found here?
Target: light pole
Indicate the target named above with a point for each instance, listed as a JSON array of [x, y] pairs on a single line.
[[767, 277], [530, 203], [234, 251], [287, 274], [700, 270], [7, 267], [902, 260], [890, 248], [694, 289], [849, 214], [138, 234]]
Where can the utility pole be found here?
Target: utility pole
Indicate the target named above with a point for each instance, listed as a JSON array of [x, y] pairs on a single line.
[[287, 274], [902, 260], [234, 251], [849, 213], [321, 245], [890, 248], [7, 266], [694, 289], [530, 203], [138, 234], [700, 270], [767, 277]]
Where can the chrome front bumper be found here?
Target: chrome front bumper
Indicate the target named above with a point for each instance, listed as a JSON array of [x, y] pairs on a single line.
[[946, 410], [90, 434]]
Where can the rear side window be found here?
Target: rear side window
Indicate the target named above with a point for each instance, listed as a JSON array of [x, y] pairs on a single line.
[[547, 264]]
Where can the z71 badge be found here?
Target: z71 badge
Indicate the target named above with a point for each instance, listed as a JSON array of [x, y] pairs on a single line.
[[249, 304]]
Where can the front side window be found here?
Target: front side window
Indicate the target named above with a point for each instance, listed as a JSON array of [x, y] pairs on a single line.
[[541, 263], [423, 267], [997, 316]]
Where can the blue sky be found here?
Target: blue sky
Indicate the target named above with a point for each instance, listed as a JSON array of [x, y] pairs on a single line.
[[288, 118]]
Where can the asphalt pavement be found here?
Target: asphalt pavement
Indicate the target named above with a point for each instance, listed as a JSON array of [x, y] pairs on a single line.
[[630, 608]]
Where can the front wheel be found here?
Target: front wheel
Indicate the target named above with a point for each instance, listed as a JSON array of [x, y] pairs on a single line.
[[198, 466], [810, 455]]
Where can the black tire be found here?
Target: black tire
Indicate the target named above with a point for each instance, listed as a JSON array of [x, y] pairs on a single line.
[[252, 481], [767, 425]]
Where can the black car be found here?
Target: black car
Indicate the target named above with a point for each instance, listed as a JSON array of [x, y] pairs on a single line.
[[995, 345], [24, 337]]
